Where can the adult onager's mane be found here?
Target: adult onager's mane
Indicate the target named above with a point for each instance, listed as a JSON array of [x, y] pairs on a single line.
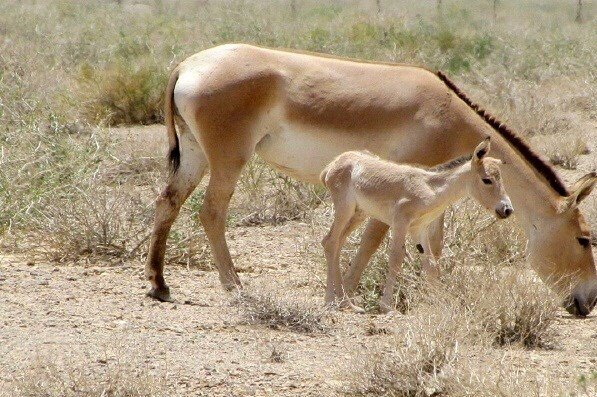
[[534, 159]]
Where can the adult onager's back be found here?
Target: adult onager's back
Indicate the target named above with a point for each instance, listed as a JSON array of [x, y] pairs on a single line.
[[299, 111], [405, 197]]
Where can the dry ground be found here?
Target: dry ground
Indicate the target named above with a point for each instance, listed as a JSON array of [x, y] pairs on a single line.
[[97, 316], [94, 318]]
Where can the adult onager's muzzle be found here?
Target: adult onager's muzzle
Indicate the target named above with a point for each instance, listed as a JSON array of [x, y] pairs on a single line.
[[578, 306], [504, 210]]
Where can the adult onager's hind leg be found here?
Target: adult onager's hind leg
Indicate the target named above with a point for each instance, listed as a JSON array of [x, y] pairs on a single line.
[[222, 181], [180, 185]]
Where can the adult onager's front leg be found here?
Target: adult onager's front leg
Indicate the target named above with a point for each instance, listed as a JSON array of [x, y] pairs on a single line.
[[394, 265]]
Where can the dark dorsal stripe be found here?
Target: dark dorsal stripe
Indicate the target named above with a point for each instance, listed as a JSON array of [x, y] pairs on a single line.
[[541, 165]]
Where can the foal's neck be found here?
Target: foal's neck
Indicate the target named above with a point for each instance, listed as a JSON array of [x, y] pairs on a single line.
[[451, 185]]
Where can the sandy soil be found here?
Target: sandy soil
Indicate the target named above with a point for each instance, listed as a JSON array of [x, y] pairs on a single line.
[[96, 316]]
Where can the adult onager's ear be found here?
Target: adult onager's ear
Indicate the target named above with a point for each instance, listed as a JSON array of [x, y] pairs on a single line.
[[482, 149], [581, 190]]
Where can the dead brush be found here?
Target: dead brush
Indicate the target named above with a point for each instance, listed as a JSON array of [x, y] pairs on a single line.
[[50, 379], [506, 304], [483, 269], [418, 362], [293, 313], [92, 220], [123, 92]]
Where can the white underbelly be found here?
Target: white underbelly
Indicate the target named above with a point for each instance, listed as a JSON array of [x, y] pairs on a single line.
[[303, 152], [380, 210]]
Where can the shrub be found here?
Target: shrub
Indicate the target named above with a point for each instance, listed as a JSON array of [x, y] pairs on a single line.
[[123, 92], [420, 362], [96, 221], [510, 307], [298, 315]]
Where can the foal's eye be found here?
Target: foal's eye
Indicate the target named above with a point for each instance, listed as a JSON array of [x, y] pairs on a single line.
[[487, 181], [584, 241]]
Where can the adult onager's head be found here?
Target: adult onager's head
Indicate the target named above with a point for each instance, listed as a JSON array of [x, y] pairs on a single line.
[[486, 183], [567, 262]]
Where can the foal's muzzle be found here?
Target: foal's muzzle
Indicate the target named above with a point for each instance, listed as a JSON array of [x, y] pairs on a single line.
[[504, 212]]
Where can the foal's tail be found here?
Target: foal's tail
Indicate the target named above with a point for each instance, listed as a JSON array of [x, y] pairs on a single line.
[[169, 111], [324, 173]]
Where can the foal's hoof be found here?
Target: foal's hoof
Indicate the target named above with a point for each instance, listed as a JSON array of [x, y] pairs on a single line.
[[347, 305], [161, 294], [384, 308]]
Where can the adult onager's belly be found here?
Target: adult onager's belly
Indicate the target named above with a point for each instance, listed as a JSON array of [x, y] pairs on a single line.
[[302, 151]]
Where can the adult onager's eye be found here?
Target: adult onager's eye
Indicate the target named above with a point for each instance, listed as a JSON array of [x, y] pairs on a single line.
[[487, 181], [584, 241]]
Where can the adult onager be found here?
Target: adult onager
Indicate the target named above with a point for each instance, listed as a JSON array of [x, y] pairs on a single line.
[[405, 197], [298, 111]]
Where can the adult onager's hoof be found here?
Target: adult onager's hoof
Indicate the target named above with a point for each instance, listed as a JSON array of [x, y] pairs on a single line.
[[161, 294], [230, 282]]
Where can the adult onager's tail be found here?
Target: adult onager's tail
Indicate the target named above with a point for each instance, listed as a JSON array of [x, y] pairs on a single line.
[[169, 111]]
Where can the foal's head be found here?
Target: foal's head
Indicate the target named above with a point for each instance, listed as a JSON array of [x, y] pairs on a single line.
[[486, 184]]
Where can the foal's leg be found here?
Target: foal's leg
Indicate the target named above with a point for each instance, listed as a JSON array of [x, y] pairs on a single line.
[[395, 263], [356, 220], [180, 185], [344, 212], [370, 241]]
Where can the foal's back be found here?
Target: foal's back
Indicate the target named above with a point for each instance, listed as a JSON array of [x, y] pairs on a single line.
[[373, 184]]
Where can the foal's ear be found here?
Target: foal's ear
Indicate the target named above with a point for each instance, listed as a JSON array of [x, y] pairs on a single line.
[[581, 190], [482, 149]]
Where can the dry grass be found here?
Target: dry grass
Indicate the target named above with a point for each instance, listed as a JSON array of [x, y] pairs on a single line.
[[293, 313], [437, 354], [266, 197], [508, 305], [99, 221], [563, 151], [415, 364], [49, 378]]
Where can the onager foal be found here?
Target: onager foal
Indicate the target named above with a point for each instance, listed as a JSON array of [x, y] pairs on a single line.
[[406, 198]]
